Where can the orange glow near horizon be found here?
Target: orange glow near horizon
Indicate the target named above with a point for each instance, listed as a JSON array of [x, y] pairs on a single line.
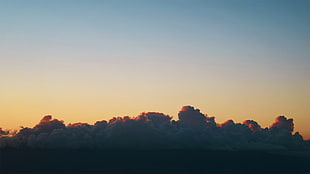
[[79, 118]]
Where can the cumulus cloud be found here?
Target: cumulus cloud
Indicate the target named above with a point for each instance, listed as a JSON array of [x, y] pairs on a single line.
[[3, 132], [228, 123], [151, 130], [282, 122], [191, 117], [47, 124], [155, 117], [253, 125]]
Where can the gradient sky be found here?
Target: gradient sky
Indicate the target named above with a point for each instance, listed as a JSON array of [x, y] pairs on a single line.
[[88, 60]]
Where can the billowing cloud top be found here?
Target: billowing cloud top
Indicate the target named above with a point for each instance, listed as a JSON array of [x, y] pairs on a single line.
[[153, 130], [253, 125], [282, 123], [3, 132]]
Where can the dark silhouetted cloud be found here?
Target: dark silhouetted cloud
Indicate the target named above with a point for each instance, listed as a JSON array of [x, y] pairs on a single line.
[[253, 125], [47, 124], [153, 130], [3, 132], [282, 122], [191, 117]]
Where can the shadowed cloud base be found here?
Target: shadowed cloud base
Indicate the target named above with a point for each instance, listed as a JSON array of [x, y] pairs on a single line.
[[153, 142]]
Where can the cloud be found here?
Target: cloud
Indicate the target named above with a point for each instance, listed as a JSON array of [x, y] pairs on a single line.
[[253, 125], [154, 130], [4, 132], [228, 123], [191, 117], [47, 124], [283, 123], [155, 117]]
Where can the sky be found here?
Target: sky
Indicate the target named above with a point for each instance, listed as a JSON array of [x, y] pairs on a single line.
[[84, 61]]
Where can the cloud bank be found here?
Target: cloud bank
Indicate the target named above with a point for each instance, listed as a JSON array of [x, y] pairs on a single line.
[[153, 130]]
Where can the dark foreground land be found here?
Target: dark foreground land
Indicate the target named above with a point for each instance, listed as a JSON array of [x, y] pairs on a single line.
[[150, 161]]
